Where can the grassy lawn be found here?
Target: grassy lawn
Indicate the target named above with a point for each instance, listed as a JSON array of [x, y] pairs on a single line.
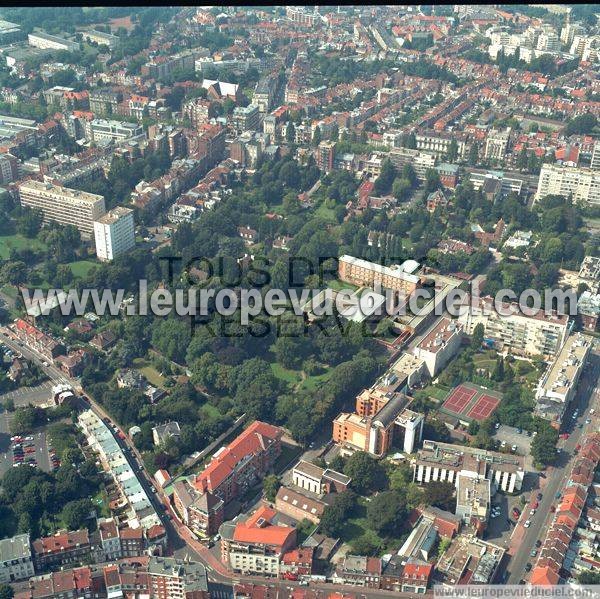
[[100, 501], [312, 382], [18, 242], [81, 268], [153, 376], [325, 212], [339, 285], [438, 392], [296, 379], [292, 377]]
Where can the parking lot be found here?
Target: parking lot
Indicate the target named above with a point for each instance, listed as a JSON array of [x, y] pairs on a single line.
[[512, 437], [40, 395], [29, 449]]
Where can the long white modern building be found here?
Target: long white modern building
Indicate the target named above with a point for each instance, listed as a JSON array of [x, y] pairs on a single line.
[[446, 462], [557, 386], [45, 41], [114, 233], [577, 183], [63, 205]]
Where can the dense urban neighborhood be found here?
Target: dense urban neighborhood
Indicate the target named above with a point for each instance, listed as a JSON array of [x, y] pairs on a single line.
[[428, 418]]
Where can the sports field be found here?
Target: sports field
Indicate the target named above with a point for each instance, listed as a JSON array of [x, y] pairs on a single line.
[[471, 402]]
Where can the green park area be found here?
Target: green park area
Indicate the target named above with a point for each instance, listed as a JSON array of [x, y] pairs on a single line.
[[81, 268], [18, 242]]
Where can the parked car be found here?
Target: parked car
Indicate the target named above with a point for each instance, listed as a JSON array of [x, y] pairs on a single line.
[[538, 543], [539, 496], [528, 567], [527, 523]]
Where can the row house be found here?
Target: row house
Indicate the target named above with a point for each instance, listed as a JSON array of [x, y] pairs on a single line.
[[77, 583], [37, 340], [65, 547]]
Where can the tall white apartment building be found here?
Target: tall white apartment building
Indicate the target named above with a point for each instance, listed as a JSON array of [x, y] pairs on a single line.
[[578, 183], [496, 144], [440, 345], [595, 163], [526, 331], [16, 562], [63, 205], [114, 233]]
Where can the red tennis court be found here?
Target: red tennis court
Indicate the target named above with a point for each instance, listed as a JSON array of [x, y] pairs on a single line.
[[483, 407], [459, 399]]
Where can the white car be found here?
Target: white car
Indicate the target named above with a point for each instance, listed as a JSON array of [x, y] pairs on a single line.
[[532, 513], [587, 420], [494, 515], [527, 523]]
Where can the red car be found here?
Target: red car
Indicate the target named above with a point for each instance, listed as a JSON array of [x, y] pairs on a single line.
[[564, 436], [535, 505]]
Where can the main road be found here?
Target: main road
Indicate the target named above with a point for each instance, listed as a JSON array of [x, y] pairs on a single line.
[[587, 397]]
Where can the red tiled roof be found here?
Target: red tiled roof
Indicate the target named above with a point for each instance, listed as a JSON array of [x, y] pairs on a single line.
[[258, 529], [544, 576], [61, 542], [253, 440], [417, 571]]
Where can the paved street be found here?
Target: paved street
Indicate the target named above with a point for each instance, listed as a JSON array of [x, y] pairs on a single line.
[[524, 539]]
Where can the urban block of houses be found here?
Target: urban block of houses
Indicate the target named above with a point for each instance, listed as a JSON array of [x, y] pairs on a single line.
[[469, 560], [132, 496], [569, 546], [232, 470]]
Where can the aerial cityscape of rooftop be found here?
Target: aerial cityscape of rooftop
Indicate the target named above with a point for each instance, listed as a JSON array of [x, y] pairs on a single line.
[[367, 384]]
